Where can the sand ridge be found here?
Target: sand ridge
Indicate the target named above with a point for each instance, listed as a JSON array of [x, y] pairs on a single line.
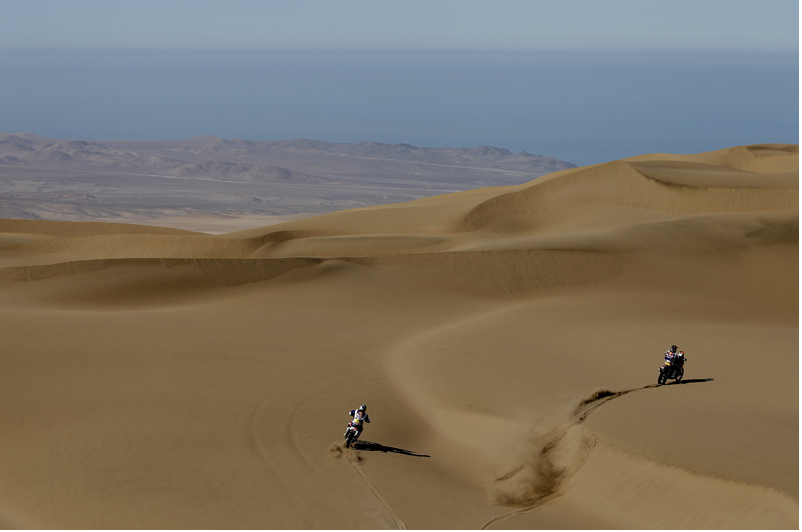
[[506, 340]]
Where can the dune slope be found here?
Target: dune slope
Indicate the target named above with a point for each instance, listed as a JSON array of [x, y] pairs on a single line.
[[506, 341]]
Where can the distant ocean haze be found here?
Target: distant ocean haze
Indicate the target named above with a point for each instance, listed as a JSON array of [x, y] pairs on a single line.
[[584, 108]]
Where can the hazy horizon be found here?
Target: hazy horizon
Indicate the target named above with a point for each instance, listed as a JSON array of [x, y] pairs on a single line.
[[580, 107], [682, 76]]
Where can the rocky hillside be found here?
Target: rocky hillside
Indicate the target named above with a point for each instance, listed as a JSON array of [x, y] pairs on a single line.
[[289, 161]]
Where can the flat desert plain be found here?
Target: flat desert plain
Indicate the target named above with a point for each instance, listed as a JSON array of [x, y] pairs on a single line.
[[506, 341]]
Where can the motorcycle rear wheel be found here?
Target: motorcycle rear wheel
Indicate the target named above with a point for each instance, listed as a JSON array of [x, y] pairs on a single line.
[[680, 373]]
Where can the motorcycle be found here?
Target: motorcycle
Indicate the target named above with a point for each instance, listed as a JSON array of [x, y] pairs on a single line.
[[351, 435], [675, 369]]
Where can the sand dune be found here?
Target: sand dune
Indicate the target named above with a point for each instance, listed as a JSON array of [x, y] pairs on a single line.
[[505, 339]]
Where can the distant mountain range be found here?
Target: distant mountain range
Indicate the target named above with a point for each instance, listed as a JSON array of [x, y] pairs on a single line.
[[288, 161], [139, 181]]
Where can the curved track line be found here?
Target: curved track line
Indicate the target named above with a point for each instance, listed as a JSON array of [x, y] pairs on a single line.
[[503, 517], [580, 414], [256, 443], [398, 522]]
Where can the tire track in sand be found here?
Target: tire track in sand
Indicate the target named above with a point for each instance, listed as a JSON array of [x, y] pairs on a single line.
[[353, 459], [258, 445], [580, 414]]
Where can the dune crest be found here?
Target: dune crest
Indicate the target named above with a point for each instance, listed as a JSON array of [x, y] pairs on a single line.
[[505, 339]]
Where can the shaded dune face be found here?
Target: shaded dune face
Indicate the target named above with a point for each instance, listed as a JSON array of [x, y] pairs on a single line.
[[507, 341], [125, 284]]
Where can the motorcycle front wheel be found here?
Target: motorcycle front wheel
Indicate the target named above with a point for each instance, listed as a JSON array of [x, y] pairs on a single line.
[[661, 379]]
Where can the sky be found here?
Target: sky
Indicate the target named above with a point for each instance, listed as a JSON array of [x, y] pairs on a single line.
[[583, 80], [606, 25]]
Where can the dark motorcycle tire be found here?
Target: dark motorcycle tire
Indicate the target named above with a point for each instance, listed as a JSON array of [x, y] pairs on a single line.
[[661, 379], [680, 373]]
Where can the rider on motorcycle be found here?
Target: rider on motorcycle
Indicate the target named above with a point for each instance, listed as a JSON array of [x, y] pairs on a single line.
[[670, 354], [360, 415], [674, 358]]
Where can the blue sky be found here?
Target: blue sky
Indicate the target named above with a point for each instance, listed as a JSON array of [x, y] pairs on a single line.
[[607, 25], [584, 81]]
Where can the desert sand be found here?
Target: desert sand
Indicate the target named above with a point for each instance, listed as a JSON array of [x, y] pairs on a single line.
[[506, 341]]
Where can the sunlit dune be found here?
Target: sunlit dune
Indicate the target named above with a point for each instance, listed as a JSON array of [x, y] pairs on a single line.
[[506, 340]]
